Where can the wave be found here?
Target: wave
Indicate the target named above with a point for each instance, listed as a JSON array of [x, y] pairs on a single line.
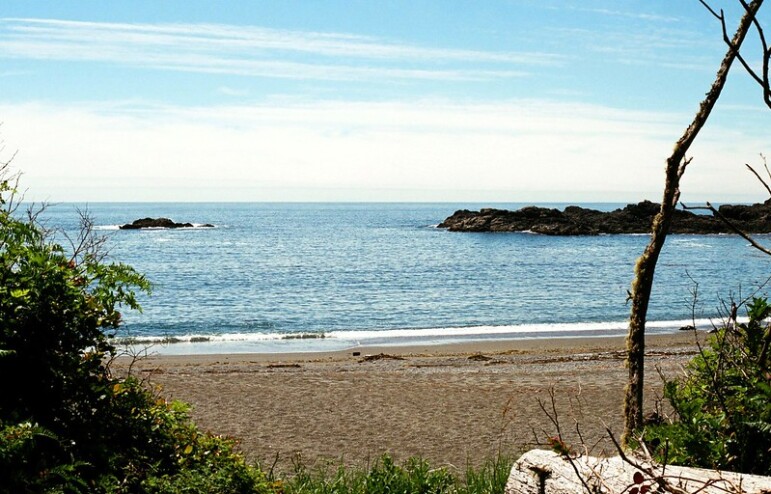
[[344, 339], [547, 330], [222, 338]]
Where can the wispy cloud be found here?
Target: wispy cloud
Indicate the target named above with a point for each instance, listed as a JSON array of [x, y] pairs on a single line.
[[362, 145], [670, 39], [230, 91], [516, 146], [663, 47], [642, 16], [13, 73], [255, 51]]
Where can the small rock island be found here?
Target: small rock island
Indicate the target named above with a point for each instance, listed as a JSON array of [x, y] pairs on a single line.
[[634, 218], [159, 223]]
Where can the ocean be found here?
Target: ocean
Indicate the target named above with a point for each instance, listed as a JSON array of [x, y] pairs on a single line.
[[289, 277]]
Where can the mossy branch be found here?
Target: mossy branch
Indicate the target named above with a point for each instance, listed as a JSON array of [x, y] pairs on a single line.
[[646, 264]]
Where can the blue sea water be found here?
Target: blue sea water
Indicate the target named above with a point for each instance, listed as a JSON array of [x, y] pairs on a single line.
[[278, 277]]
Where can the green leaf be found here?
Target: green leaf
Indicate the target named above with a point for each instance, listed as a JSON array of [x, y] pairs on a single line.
[[19, 292]]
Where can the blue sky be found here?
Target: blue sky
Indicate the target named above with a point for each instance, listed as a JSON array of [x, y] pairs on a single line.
[[517, 100]]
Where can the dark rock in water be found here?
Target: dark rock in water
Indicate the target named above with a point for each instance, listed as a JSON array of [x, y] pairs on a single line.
[[634, 218], [159, 223]]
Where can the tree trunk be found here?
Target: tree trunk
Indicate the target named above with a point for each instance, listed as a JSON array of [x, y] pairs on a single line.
[[646, 264]]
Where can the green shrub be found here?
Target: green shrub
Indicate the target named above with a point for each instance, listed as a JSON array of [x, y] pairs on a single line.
[[491, 477], [723, 404], [33, 460], [66, 424], [385, 476]]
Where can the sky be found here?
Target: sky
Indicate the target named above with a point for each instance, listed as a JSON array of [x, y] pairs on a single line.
[[404, 100]]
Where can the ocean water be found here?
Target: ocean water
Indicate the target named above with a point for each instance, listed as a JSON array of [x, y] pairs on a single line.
[[310, 277]]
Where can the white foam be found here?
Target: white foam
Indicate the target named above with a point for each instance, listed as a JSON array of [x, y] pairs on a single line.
[[427, 334], [519, 330]]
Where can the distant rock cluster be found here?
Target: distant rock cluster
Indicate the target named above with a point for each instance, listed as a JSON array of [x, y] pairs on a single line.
[[159, 223], [634, 218]]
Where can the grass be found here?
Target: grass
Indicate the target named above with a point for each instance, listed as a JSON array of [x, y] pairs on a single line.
[[385, 476]]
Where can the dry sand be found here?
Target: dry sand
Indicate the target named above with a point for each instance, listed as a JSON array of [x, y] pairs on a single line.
[[453, 404]]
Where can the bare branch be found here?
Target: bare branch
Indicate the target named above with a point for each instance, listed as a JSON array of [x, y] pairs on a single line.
[[712, 11], [730, 225], [731, 43], [759, 177], [683, 165], [553, 415], [751, 10], [766, 55], [660, 480]]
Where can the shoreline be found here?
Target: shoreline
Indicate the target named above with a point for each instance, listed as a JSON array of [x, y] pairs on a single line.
[[454, 404], [342, 341], [563, 344]]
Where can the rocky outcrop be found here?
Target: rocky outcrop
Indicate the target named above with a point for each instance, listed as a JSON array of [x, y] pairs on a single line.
[[159, 223], [634, 218]]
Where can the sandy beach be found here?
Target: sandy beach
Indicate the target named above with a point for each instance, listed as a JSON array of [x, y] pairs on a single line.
[[451, 404]]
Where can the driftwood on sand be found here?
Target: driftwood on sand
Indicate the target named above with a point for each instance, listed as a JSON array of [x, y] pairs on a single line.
[[546, 472]]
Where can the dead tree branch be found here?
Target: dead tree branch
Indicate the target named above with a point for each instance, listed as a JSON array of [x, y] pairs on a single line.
[[717, 214], [646, 264], [759, 177], [762, 79]]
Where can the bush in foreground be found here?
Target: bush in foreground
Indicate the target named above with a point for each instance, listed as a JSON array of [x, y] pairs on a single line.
[[723, 404], [66, 424], [153, 449]]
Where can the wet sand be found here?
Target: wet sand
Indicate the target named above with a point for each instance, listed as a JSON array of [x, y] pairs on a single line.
[[451, 404]]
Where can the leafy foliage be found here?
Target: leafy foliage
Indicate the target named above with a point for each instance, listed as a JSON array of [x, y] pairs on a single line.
[[415, 476], [724, 402], [67, 424], [32, 460], [491, 477]]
